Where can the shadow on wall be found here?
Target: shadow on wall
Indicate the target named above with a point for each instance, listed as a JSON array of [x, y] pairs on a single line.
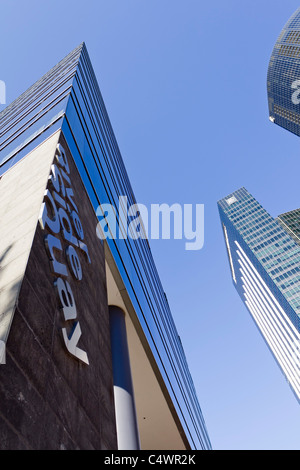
[[3, 255], [7, 298]]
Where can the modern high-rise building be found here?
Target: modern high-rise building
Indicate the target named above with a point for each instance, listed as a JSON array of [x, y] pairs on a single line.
[[90, 355], [283, 78], [265, 267]]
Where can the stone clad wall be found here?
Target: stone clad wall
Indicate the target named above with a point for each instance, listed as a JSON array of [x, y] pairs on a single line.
[[49, 398]]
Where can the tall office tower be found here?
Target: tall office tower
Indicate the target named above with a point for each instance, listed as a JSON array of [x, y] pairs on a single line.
[[91, 358], [265, 268], [283, 78]]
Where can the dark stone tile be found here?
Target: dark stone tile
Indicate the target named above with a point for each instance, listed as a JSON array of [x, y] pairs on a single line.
[[52, 400]]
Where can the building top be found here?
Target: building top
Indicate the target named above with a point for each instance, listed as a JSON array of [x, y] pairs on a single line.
[[37, 113], [265, 267], [283, 77], [273, 248]]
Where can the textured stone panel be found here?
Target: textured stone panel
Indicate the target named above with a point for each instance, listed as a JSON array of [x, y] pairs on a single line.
[[49, 399]]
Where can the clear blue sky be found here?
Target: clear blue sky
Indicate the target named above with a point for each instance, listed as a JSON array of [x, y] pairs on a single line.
[[184, 82]]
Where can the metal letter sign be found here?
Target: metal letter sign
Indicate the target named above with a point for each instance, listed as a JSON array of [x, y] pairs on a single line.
[[59, 215]]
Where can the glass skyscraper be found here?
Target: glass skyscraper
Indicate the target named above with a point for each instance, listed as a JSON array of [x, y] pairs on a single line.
[[63, 114], [290, 221], [265, 267], [283, 78]]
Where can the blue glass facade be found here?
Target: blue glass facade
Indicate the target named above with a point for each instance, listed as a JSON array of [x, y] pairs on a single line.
[[290, 221], [283, 78], [265, 267], [68, 98]]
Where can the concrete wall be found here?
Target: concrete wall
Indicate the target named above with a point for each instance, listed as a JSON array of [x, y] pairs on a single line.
[[21, 195]]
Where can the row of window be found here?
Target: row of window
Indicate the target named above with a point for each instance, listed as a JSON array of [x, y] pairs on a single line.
[[279, 256], [284, 266], [289, 283], [285, 113], [268, 242], [293, 37], [261, 232], [289, 51], [277, 259]]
